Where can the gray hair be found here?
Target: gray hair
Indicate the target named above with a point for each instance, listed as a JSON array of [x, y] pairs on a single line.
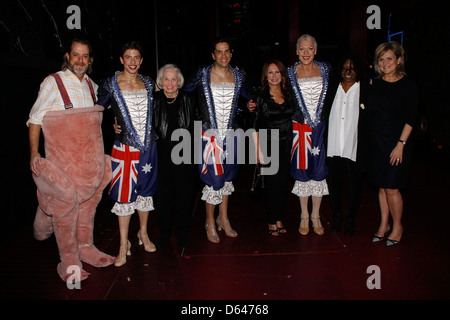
[[169, 66], [307, 37]]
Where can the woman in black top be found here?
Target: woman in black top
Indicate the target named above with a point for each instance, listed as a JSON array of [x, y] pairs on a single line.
[[173, 110], [393, 104], [274, 110]]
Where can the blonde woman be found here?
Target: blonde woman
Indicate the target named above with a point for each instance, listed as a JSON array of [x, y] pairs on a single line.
[[393, 103]]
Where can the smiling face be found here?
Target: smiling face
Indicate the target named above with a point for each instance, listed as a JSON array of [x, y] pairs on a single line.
[[79, 58], [348, 73], [306, 51], [388, 63], [169, 81], [131, 61], [273, 75], [222, 54]]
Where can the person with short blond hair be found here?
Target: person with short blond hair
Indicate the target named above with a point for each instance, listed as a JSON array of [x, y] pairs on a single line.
[[393, 104]]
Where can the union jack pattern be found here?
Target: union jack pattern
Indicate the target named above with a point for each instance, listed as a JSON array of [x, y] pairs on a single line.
[[212, 153], [301, 144], [134, 172]]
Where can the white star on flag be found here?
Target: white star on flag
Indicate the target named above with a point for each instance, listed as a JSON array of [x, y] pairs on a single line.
[[315, 151], [147, 168]]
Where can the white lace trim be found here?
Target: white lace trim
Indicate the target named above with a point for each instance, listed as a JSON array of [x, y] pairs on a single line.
[[214, 197], [127, 209], [310, 188]]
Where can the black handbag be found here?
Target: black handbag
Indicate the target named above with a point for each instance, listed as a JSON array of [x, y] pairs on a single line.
[[257, 188]]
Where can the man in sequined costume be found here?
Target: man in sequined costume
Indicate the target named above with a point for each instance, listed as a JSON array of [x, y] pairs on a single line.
[[219, 87]]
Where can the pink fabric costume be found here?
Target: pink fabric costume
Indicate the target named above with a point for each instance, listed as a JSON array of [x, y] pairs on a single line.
[[70, 186]]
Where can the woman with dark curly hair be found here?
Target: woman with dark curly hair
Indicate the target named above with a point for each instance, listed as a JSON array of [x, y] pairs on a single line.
[[347, 149]]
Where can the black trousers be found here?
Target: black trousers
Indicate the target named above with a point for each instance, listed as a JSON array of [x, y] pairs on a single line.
[[174, 199], [276, 185], [341, 170]]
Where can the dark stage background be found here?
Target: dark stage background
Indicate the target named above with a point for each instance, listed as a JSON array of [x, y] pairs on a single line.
[[32, 35]]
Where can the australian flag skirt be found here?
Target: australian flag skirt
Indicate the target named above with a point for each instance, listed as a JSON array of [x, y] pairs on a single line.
[[308, 154], [134, 172], [219, 160]]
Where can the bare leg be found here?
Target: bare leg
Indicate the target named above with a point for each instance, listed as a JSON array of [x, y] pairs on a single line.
[[223, 208], [316, 202], [210, 224], [304, 207], [395, 202], [142, 234], [143, 221], [384, 209], [124, 223], [304, 221], [315, 217], [222, 220], [124, 251]]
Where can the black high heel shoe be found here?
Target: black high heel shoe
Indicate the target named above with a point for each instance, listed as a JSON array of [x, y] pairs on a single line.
[[378, 239], [390, 242]]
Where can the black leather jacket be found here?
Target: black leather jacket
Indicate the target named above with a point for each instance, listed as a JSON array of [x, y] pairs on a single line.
[[186, 113]]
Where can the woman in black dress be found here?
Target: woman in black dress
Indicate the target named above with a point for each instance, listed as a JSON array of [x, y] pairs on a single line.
[[274, 110], [393, 104]]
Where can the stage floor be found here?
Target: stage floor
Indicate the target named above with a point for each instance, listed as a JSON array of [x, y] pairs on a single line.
[[255, 265]]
